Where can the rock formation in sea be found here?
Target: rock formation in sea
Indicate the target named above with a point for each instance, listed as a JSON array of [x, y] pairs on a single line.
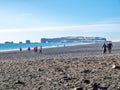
[[73, 39]]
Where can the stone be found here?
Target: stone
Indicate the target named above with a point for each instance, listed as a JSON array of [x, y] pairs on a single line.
[[115, 66], [79, 88], [87, 81], [19, 82]]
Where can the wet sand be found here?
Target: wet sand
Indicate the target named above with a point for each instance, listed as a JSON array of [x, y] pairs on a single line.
[[63, 68]]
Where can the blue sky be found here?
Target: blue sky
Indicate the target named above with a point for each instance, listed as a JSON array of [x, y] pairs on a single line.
[[34, 19]]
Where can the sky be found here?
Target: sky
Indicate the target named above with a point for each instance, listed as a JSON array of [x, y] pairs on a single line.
[[22, 20]]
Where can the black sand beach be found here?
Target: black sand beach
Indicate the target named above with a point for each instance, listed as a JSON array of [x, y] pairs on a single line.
[[62, 68]]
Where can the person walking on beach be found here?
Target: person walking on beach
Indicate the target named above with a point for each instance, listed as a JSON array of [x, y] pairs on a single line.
[[20, 49], [35, 49], [40, 49], [29, 49], [104, 48], [109, 45]]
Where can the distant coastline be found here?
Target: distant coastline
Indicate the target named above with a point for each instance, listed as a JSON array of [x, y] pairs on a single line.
[[51, 42], [24, 46]]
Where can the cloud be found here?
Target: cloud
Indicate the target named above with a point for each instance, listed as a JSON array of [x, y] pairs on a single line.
[[83, 28]]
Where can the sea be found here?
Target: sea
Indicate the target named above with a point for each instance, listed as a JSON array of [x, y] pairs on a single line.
[[24, 46]]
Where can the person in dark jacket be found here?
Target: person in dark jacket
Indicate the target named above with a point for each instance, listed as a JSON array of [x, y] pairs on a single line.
[[20, 49], [40, 49], [109, 45], [104, 48], [29, 49]]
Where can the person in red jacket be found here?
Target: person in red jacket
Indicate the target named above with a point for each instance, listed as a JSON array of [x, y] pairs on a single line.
[[35, 49]]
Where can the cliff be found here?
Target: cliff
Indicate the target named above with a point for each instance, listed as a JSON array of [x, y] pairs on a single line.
[[73, 39]]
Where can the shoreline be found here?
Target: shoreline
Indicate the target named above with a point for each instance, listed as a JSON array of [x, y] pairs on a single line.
[[61, 45], [76, 51]]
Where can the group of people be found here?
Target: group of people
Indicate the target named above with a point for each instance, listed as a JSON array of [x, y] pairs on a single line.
[[35, 49], [107, 47]]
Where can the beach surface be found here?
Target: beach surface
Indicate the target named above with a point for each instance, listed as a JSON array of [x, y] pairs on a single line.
[[81, 67]]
